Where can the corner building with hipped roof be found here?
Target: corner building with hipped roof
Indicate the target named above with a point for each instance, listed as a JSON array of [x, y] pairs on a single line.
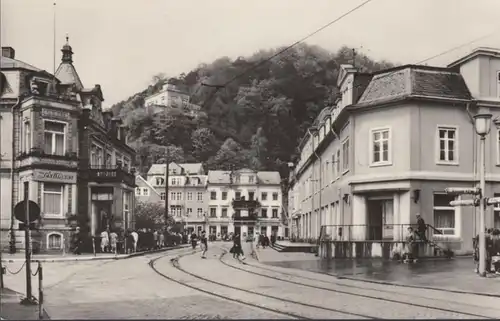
[[60, 147], [388, 149]]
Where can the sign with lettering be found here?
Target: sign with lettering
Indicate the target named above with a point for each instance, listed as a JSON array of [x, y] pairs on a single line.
[[54, 176]]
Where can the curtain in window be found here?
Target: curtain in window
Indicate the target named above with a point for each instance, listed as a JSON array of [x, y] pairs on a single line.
[[444, 218], [47, 148], [52, 198]]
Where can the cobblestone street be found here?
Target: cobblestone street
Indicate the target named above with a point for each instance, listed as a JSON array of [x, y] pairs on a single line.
[[226, 288]]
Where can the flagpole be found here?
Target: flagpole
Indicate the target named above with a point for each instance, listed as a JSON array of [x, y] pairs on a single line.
[[54, 41]]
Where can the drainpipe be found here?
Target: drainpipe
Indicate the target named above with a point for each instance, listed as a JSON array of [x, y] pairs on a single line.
[[12, 242], [320, 187]]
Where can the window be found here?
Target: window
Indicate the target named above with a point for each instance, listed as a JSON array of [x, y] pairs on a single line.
[[199, 196], [337, 171], [96, 156], [160, 181], [263, 195], [224, 196], [54, 138], [498, 84], [175, 181], [224, 212], [250, 179], [444, 214], [199, 212], [162, 196], [334, 166], [237, 179], [126, 164], [380, 140], [189, 196], [53, 199], [189, 211], [108, 160], [213, 212], [213, 196], [237, 195], [447, 145], [27, 137], [126, 208], [263, 212], [175, 210], [179, 196], [496, 214], [345, 155], [172, 196], [275, 196], [54, 241], [137, 191], [145, 191], [251, 196], [275, 213]]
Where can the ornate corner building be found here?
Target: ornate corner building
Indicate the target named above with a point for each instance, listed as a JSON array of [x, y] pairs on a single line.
[[59, 145]]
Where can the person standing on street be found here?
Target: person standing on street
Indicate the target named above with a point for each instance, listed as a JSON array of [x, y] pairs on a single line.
[[193, 240], [113, 239], [421, 228], [203, 245], [135, 236]]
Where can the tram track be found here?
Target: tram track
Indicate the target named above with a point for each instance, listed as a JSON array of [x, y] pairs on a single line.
[[347, 286], [175, 263]]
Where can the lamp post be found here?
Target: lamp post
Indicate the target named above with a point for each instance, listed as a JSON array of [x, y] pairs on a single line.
[[482, 125]]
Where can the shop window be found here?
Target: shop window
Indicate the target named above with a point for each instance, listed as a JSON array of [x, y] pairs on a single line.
[[54, 241], [54, 133], [52, 199], [27, 137]]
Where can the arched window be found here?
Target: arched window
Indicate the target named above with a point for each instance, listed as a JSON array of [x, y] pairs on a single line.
[[54, 241]]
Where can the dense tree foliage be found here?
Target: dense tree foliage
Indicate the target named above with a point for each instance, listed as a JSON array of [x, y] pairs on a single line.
[[149, 215], [255, 121]]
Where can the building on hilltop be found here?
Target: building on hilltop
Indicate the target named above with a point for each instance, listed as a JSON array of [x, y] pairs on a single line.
[[64, 151], [171, 96], [186, 193], [245, 201], [389, 148]]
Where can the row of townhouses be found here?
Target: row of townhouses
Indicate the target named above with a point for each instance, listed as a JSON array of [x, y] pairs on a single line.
[[61, 150], [241, 201], [391, 145]]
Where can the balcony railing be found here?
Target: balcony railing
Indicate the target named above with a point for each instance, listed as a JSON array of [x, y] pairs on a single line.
[[39, 153], [384, 232], [242, 203], [111, 175]]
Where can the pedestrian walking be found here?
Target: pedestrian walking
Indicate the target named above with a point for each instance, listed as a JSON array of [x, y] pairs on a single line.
[[161, 240], [237, 250], [113, 240], [104, 241], [135, 237], [194, 240], [203, 245]]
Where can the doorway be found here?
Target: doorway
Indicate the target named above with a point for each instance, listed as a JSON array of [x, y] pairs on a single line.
[[380, 219], [237, 230], [101, 216]]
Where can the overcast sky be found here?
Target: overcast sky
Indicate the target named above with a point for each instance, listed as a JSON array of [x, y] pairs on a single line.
[[121, 44]]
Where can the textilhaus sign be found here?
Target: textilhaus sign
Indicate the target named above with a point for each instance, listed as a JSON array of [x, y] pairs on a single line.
[[54, 176]]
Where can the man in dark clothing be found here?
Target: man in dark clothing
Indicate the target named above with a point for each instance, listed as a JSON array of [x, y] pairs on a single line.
[[203, 245], [421, 228], [194, 240]]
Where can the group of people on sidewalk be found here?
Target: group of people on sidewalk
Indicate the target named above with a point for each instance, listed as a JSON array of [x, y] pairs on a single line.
[[492, 238]]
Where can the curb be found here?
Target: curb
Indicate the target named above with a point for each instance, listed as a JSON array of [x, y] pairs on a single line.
[[95, 258]]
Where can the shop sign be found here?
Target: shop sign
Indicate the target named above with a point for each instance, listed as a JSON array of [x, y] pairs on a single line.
[[54, 176]]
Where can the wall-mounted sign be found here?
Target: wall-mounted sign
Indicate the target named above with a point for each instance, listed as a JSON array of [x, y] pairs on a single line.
[[54, 176]]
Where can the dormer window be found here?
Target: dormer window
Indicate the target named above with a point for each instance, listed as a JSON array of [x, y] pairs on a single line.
[[250, 179], [160, 181], [498, 84]]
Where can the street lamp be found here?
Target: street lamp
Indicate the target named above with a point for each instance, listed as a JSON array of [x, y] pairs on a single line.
[[482, 125]]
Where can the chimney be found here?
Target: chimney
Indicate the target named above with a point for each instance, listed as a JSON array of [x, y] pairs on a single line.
[[8, 52]]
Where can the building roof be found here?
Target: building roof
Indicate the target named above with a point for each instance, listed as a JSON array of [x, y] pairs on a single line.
[[67, 74], [6, 62], [147, 184], [224, 177], [193, 168], [415, 81], [480, 51]]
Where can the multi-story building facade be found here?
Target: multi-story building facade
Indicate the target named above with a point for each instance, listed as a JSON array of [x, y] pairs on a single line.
[[60, 150], [245, 202], [170, 96], [186, 191], [146, 193], [394, 141]]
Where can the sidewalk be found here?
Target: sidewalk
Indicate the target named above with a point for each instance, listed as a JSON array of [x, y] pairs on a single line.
[[11, 309], [455, 275], [19, 257]]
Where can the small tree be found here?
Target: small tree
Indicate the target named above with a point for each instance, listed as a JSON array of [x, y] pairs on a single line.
[[149, 215]]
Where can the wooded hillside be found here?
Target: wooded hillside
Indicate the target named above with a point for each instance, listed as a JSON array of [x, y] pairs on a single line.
[[256, 121]]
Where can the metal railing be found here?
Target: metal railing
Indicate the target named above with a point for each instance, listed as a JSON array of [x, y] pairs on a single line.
[[366, 232]]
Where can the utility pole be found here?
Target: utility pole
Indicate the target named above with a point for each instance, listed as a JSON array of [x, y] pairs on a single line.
[[27, 247]]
